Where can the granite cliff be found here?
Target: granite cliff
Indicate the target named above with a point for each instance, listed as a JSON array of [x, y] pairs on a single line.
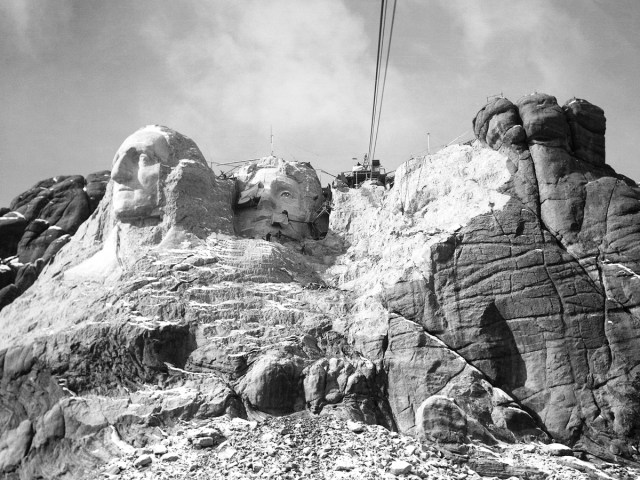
[[491, 296]]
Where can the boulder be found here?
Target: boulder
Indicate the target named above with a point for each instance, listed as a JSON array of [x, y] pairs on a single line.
[[495, 120], [441, 419], [517, 421], [143, 461], [169, 457], [203, 442], [557, 450], [159, 449], [356, 427], [400, 467], [273, 385]]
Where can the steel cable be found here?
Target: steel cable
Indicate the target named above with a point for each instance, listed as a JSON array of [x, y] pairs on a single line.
[[384, 80], [377, 77]]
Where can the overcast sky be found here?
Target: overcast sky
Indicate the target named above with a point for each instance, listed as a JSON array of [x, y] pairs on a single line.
[[77, 77]]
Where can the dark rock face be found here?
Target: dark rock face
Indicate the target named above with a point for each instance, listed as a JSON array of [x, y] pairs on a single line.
[[543, 295], [587, 124], [496, 123], [12, 227], [543, 120], [96, 187], [40, 221], [436, 393]]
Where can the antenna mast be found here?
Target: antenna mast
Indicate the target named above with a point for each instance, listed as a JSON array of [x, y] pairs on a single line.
[[272, 140]]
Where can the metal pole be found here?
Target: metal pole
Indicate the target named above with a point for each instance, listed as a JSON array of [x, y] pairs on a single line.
[[428, 143], [272, 140]]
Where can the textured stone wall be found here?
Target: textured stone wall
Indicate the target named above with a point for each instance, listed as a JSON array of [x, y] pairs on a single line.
[[272, 186]]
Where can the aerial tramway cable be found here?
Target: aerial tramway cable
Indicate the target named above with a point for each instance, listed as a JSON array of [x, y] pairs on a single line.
[[377, 103], [375, 89], [384, 79]]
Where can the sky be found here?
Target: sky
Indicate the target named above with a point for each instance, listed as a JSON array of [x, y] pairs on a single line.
[[78, 76]]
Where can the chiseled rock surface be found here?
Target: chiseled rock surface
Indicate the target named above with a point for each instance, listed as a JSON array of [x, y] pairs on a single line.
[[489, 298], [271, 186]]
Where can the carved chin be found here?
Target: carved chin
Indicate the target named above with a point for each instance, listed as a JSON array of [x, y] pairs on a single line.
[[127, 206]]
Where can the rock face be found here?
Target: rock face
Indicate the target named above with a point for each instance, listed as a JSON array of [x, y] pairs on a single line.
[[39, 222], [277, 197], [491, 296], [578, 363], [536, 286]]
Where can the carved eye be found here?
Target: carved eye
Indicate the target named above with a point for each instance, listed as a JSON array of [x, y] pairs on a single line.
[[145, 160], [285, 195]]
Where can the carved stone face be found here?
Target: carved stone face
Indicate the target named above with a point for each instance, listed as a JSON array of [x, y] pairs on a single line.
[[280, 193], [280, 186], [136, 173]]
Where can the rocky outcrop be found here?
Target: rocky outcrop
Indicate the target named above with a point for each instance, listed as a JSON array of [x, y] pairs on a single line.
[[39, 222], [588, 321], [491, 296], [437, 393], [536, 285]]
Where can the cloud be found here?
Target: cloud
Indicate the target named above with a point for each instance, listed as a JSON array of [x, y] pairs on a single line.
[[19, 13], [306, 68], [537, 38], [31, 26]]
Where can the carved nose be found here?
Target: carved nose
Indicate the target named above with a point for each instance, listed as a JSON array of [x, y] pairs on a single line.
[[121, 171], [266, 202]]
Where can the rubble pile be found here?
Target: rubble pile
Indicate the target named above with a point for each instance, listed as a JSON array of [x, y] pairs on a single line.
[[326, 447]]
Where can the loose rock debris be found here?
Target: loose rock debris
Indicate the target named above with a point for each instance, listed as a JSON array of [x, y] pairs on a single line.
[[324, 447]]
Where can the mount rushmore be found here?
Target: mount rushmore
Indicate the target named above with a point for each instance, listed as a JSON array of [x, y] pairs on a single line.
[[491, 295]]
